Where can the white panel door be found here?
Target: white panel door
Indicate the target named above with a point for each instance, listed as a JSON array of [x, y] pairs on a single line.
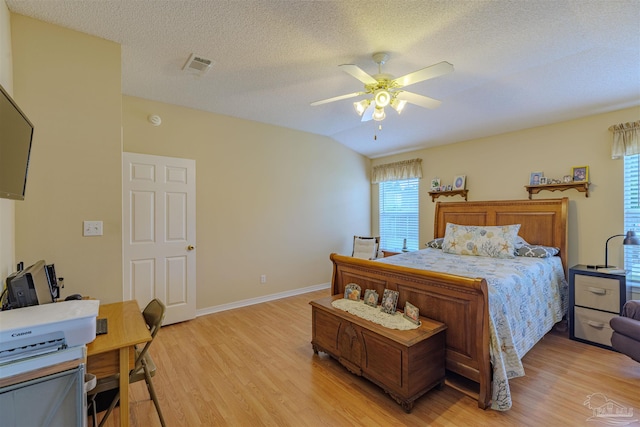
[[159, 232]]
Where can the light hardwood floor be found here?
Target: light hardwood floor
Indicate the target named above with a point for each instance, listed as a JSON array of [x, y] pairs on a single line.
[[254, 366]]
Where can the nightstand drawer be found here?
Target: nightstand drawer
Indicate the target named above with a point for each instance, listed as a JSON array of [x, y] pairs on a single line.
[[592, 325], [597, 292]]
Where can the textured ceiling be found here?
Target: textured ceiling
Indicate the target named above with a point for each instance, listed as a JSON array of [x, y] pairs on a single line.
[[518, 64]]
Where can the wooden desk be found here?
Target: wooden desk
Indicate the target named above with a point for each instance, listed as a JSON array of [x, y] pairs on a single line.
[[114, 351]]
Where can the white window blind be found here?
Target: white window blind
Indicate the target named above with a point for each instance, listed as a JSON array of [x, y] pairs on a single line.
[[399, 214], [632, 214]]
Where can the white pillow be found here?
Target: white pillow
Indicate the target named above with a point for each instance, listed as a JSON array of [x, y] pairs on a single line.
[[490, 241], [364, 248]]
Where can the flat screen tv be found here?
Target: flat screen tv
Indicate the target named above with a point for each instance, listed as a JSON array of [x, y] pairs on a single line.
[[16, 135]]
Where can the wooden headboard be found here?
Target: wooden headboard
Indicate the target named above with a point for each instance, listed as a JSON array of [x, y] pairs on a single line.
[[542, 222]]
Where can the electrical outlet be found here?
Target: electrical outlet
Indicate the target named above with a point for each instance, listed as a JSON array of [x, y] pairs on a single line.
[[92, 228], [263, 279]]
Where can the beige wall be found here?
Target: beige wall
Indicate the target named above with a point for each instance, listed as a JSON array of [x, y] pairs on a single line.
[[68, 84], [270, 200], [7, 225], [498, 168]]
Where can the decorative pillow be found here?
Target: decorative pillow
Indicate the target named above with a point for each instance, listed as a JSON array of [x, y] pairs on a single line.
[[520, 242], [489, 241], [435, 243], [537, 251], [364, 248]]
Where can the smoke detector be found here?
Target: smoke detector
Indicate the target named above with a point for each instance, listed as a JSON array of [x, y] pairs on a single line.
[[197, 65]]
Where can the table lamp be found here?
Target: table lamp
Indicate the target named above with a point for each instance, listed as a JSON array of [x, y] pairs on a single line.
[[629, 239]]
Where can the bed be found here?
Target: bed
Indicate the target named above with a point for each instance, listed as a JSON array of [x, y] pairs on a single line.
[[462, 302]]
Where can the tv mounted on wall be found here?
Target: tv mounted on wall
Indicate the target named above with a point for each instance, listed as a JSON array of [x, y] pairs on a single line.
[[16, 135]]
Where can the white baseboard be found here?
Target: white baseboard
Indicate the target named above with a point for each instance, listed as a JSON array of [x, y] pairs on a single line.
[[258, 300]]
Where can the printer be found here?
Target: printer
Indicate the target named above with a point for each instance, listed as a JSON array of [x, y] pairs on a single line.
[[42, 335]]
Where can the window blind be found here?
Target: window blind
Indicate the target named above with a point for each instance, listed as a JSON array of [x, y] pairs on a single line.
[[632, 214], [399, 214]]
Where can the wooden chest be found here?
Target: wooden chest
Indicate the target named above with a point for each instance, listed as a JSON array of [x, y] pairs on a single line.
[[406, 364]]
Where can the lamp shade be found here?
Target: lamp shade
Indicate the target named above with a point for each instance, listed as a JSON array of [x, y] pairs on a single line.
[[382, 98], [379, 114], [631, 238]]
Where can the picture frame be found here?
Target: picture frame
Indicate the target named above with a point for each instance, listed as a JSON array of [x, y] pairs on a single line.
[[459, 182], [435, 184], [534, 178], [389, 301], [567, 178], [411, 313], [580, 173], [352, 292], [543, 180], [371, 297], [449, 187]]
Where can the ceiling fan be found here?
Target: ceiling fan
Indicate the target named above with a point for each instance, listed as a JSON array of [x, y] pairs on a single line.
[[388, 91]]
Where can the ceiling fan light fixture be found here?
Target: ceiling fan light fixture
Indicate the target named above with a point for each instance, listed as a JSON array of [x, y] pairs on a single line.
[[398, 105], [379, 114], [361, 106], [382, 97]]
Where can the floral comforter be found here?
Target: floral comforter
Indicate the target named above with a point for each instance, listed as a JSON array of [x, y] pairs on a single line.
[[527, 296]]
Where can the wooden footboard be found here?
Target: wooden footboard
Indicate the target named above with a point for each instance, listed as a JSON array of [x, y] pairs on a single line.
[[459, 302]]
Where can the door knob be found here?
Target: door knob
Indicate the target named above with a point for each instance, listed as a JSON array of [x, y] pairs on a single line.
[[190, 247]]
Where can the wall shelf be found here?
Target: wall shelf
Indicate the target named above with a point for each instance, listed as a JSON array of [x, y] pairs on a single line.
[[435, 194], [582, 187]]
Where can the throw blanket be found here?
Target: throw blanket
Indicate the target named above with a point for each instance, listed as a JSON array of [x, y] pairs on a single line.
[[527, 296]]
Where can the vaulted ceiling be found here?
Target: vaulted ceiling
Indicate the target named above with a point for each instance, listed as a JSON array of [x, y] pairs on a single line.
[[518, 64]]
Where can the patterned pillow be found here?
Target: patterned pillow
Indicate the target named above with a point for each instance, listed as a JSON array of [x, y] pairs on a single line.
[[489, 241], [435, 243], [519, 242], [537, 251]]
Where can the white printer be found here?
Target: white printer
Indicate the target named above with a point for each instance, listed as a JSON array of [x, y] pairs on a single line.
[[42, 335]]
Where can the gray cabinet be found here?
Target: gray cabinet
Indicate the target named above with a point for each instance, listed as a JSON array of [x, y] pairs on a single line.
[[56, 400], [594, 298]]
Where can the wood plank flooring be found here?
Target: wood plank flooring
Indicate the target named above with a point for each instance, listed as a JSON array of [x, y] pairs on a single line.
[[254, 366]]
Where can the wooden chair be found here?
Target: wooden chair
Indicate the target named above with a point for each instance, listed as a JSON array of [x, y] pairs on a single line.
[[365, 247], [144, 367]]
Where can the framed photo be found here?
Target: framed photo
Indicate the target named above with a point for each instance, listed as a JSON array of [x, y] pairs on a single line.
[[389, 301], [435, 184], [534, 179], [352, 292], [543, 180], [449, 187], [567, 178], [371, 297], [580, 173], [412, 313], [458, 182]]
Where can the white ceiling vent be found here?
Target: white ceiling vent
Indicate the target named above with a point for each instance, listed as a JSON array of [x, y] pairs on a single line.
[[197, 65]]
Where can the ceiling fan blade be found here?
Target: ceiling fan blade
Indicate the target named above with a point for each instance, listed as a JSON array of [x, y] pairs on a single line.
[[337, 98], [368, 113], [359, 74], [421, 100], [427, 73]]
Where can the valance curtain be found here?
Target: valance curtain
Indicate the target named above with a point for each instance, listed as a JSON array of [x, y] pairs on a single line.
[[626, 139], [406, 169]]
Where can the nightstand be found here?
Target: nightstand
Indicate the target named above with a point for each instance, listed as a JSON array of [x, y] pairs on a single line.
[[594, 298]]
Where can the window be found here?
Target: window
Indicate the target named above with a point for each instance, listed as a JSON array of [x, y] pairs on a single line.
[[632, 213], [399, 214]]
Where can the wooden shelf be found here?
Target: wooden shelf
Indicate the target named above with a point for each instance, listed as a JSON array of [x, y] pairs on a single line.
[[582, 187], [435, 194]]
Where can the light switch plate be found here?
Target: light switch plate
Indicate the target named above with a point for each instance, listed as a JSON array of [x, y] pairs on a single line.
[[92, 228]]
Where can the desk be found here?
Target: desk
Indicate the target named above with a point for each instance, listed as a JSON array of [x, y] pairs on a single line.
[[114, 351]]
